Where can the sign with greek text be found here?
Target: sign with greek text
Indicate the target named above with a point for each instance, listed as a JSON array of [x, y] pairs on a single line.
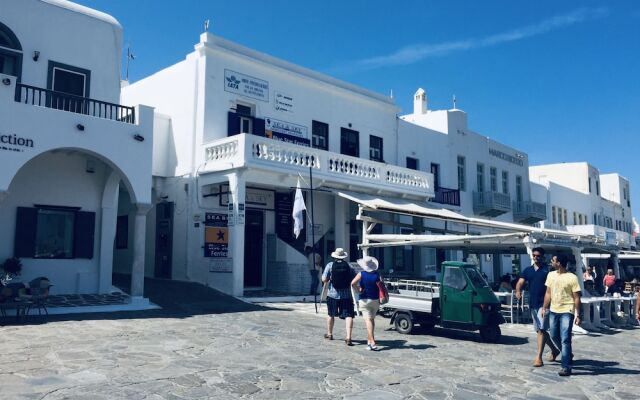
[[236, 82]]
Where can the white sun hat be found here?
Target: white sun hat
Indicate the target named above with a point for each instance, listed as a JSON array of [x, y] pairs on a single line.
[[368, 264], [339, 253]]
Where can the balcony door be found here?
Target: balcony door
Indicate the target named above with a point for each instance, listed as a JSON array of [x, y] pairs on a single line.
[[435, 170], [71, 87], [349, 142]]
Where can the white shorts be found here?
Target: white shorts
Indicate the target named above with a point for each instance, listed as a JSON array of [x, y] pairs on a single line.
[[369, 307]]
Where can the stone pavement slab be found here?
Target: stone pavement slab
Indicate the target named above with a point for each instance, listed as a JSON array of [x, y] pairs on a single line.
[[278, 352]]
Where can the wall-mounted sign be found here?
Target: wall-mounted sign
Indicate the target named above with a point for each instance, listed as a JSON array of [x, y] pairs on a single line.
[[518, 159], [286, 132], [240, 220], [284, 222], [231, 220], [254, 198], [221, 265], [246, 85], [14, 143], [216, 235], [283, 102]]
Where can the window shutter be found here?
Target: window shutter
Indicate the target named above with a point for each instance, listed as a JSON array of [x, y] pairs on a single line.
[[233, 124], [258, 127], [25, 236], [84, 234]]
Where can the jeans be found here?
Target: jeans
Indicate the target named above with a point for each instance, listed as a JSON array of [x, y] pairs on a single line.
[[315, 281], [560, 331]]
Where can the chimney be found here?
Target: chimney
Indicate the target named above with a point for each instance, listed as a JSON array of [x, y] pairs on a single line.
[[420, 102]]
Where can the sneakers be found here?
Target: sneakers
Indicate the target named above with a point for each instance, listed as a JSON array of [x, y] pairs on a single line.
[[564, 372]]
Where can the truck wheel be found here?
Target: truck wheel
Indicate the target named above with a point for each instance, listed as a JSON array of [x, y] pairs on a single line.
[[490, 333], [404, 324]]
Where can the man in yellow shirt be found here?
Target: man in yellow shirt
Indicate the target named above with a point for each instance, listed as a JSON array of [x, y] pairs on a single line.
[[562, 301]]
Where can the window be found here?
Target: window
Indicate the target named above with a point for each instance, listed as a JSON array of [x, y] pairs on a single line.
[[518, 188], [589, 184], [461, 173], [71, 85], [493, 177], [435, 170], [54, 232], [242, 120], [122, 232], [553, 215], [10, 52], [320, 135], [598, 187], [454, 278], [586, 221], [505, 182], [349, 142], [480, 177], [375, 148], [575, 218], [412, 163], [564, 217]]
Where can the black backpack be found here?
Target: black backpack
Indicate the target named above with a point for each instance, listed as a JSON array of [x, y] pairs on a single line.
[[340, 274]]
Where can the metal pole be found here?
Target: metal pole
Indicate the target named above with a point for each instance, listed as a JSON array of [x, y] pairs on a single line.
[[313, 233]]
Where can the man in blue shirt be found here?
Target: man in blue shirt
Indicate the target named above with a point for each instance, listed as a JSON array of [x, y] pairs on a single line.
[[339, 275], [536, 276]]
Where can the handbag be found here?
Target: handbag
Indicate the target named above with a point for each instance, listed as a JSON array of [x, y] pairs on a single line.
[[383, 293]]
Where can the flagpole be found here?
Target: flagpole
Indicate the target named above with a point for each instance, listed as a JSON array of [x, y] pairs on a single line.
[[313, 233]]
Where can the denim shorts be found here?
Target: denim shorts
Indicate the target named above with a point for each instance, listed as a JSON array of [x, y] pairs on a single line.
[[537, 324], [342, 308]]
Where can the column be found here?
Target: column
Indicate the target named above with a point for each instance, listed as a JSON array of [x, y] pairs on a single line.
[[616, 265], [139, 234], [237, 187], [108, 221]]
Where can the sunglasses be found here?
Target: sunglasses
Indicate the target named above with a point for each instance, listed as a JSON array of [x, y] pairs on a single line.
[[537, 255]]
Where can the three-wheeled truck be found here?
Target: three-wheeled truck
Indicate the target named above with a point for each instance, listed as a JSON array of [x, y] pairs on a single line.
[[461, 300]]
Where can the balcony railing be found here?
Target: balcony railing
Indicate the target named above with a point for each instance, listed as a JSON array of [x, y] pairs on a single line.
[[339, 169], [40, 97], [529, 212], [491, 204], [447, 196]]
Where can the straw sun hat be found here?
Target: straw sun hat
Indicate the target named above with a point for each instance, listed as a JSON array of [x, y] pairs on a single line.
[[368, 264], [339, 253]]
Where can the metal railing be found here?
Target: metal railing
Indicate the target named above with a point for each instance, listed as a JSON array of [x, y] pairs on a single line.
[[491, 203], [40, 97], [447, 196], [529, 211]]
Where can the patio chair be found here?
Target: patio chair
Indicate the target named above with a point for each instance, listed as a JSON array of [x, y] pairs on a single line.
[[509, 307], [39, 293], [12, 297]]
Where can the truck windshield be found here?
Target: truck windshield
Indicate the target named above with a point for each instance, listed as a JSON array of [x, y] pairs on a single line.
[[475, 277]]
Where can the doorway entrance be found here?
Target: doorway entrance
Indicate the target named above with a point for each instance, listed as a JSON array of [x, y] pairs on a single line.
[[253, 240], [164, 240]]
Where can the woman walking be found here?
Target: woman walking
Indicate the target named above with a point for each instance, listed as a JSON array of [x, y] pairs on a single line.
[[366, 282]]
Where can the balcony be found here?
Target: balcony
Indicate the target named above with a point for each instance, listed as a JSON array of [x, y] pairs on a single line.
[[329, 169], [40, 97], [450, 197], [529, 212], [491, 204]]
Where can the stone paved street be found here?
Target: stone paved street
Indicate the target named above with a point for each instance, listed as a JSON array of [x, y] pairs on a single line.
[[195, 351]]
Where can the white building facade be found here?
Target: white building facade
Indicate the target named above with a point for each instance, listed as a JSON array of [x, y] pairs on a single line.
[[69, 151]]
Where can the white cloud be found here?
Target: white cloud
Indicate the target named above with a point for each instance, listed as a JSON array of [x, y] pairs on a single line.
[[414, 53]]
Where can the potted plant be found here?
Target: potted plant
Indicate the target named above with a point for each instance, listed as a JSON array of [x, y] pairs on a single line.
[[12, 267]]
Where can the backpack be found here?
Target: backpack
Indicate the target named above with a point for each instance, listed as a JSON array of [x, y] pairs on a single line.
[[340, 274]]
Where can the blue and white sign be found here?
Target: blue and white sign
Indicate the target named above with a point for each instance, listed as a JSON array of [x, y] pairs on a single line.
[[246, 85], [286, 132]]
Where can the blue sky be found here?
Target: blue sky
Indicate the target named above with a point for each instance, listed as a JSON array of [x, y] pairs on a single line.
[[559, 80]]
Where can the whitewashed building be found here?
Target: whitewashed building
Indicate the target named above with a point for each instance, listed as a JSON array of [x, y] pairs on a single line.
[[70, 153]]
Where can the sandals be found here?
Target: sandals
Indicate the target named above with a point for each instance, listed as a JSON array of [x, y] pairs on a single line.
[[328, 336], [348, 342]]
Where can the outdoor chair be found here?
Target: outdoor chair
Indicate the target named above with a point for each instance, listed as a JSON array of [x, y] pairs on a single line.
[[12, 297], [509, 307], [39, 293]]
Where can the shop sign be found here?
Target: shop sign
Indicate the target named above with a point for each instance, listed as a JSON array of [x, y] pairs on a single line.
[[13, 142], [216, 235], [517, 159], [245, 85], [286, 132], [283, 102], [254, 198]]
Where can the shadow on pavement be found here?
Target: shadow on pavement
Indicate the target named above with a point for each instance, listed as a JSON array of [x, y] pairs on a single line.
[[470, 336], [595, 367]]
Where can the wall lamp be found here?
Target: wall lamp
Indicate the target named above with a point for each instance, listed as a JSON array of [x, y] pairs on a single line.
[[6, 81], [80, 127], [36, 55], [138, 137]]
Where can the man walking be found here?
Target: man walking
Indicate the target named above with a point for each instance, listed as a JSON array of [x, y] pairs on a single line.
[[562, 302], [536, 276], [339, 274]]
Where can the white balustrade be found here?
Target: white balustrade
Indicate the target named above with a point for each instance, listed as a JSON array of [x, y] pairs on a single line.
[[342, 169]]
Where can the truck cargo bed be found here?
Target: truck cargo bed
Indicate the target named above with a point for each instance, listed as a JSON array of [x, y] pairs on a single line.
[[412, 295]]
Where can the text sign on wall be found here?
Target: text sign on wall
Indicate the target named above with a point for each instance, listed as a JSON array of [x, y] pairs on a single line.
[[13, 142], [236, 82], [517, 159], [216, 235], [283, 102], [254, 198], [286, 132]]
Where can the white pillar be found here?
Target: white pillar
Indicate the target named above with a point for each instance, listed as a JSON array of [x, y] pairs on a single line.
[[236, 231], [109, 218], [340, 223], [616, 265], [139, 235], [577, 253]]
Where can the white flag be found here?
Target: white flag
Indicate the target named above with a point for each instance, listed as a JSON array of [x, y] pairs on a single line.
[[298, 206], [636, 227]]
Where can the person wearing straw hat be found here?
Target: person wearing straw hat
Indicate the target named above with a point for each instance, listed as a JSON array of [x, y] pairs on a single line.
[[366, 283], [339, 275]]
